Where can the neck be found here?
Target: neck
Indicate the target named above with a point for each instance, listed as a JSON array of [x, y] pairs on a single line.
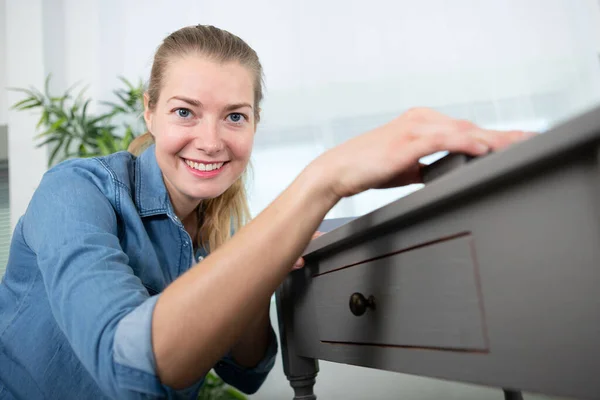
[[183, 206], [187, 214]]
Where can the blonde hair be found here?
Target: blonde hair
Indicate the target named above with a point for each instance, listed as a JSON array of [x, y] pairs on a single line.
[[217, 216]]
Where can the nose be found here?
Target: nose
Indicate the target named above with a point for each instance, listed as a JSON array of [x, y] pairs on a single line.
[[208, 138]]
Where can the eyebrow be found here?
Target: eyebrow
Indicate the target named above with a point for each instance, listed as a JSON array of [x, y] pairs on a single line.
[[236, 106], [197, 103], [192, 102]]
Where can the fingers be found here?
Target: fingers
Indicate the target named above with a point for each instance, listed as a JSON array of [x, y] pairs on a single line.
[[466, 137], [300, 263], [427, 116], [317, 234], [462, 138], [498, 140], [445, 137], [493, 139]]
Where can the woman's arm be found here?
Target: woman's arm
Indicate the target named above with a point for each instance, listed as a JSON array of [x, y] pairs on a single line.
[[254, 341], [249, 362], [219, 298]]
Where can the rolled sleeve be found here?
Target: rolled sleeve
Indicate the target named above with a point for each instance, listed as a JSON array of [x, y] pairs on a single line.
[[248, 380], [133, 342], [134, 358]]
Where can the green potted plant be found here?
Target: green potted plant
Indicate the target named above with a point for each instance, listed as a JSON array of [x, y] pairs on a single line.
[[66, 125]]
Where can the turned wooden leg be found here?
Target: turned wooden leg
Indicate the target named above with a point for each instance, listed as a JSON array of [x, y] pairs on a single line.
[[300, 371], [303, 387], [512, 395]]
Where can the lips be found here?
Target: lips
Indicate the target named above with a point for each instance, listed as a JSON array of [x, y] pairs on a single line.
[[204, 166], [204, 169]]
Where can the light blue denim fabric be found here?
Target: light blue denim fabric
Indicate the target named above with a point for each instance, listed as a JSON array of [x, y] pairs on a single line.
[[97, 245]]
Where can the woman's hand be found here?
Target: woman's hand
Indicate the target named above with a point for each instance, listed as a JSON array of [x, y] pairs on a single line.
[[388, 156], [300, 263]]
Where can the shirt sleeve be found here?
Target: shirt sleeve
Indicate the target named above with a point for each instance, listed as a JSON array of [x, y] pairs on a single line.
[[99, 303], [248, 380]]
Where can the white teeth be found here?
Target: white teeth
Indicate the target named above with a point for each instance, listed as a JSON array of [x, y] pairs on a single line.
[[204, 167]]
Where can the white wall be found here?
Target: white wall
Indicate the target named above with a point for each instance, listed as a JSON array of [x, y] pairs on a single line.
[[3, 62], [373, 58], [380, 57], [25, 50]]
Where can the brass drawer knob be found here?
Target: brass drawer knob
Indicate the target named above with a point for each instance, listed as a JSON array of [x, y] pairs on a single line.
[[359, 304]]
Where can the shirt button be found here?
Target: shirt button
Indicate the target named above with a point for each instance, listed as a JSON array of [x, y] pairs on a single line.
[[185, 244]]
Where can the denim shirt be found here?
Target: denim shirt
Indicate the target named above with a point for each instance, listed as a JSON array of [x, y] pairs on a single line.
[[88, 260]]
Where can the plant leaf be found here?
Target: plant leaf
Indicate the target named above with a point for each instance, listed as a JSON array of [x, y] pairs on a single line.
[[19, 105], [44, 119], [48, 141], [55, 151]]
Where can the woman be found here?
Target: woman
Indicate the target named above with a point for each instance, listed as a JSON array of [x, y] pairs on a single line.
[[123, 281]]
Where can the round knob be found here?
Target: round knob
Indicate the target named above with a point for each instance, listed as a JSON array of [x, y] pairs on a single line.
[[359, 304]]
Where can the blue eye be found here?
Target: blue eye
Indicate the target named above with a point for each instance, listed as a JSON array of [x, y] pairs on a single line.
[[236, 118], [183, 112]]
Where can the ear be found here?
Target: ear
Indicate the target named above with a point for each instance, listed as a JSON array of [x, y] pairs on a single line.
[[147, 112]]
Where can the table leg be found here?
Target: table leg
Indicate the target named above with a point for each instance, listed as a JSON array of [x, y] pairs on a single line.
[[512, 394], [300, 371], [303, 387]]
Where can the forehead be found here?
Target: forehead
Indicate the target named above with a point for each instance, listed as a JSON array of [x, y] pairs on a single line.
[[208, 81]]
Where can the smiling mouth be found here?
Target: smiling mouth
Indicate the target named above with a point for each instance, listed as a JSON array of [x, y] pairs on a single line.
[[205, 166]]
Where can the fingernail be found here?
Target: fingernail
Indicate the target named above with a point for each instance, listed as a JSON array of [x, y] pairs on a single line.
[[482, 148], [299, 264]]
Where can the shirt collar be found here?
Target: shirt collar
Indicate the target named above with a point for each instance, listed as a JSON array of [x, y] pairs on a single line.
[[151, 196]]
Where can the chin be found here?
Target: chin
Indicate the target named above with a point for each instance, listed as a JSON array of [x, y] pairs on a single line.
[[206, 194]]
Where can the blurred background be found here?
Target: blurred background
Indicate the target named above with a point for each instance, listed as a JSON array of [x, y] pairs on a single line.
[[333, 69]]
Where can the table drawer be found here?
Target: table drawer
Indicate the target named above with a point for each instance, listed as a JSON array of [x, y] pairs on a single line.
[[426, 296]]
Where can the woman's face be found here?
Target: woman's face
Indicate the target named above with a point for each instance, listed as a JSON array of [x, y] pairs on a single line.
[[203, 126]]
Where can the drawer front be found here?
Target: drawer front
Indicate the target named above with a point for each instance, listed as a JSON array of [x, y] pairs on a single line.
[[426, 296]]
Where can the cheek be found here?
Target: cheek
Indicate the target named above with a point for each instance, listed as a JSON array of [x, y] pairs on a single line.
[[242, 146], [172, 140]]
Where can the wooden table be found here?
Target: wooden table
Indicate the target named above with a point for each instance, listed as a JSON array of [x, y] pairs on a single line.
[[489, 275]]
